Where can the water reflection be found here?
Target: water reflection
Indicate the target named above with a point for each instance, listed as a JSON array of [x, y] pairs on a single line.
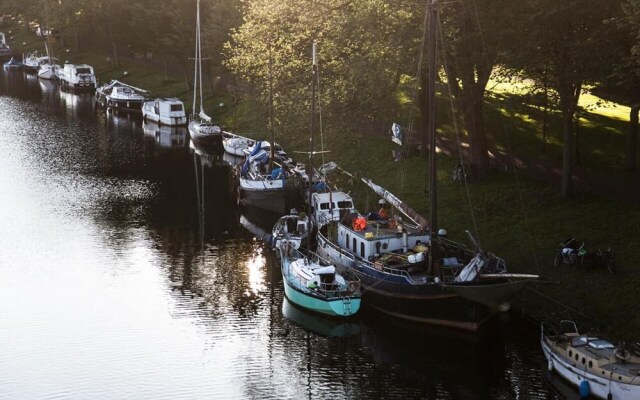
[[127, 272], [166, 137]]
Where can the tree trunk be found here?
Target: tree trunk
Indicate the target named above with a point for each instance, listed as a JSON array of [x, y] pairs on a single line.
[[76, 38], [567, 153], [473, 121], [632, 141], [116, 55], [166, 70], [186, 76]]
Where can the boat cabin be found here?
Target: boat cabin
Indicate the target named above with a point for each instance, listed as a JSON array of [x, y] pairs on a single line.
[[165, 111], [78, 76], [330, 206], [374, 238]]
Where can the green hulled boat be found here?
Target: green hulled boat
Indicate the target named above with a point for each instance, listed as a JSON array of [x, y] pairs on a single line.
[[316, 286]]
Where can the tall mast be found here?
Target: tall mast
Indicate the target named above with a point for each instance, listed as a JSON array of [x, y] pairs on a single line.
[[314, 66], [431, 115], [272, 151], [195, 64]]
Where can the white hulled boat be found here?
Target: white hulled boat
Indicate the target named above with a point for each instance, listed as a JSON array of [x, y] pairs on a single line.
[[165, 111], [203, 131]]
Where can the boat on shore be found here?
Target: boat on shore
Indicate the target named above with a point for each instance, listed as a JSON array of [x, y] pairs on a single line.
[[317, 286], [595, 366]]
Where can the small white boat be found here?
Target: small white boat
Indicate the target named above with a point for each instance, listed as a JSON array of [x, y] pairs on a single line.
[[294, 228], [49, 70], [595, 366], [79, 77], [316, 286], [31, 62], [119, 95], [237, 145], [165, 111]]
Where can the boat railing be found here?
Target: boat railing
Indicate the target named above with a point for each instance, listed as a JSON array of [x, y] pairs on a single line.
[[379, 267]]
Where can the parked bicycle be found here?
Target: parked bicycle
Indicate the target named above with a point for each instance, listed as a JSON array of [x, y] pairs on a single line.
[[573, 253]]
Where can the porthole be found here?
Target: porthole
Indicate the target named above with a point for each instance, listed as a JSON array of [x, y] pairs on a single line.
[[584, 360], [570, 353], [577, 356], [590, 364], [619, 378]]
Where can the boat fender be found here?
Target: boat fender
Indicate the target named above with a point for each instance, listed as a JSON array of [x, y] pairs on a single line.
[[585, 390], [550, 366]]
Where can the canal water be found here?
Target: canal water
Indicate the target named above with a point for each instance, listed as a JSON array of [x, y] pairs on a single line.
[[127, 271]]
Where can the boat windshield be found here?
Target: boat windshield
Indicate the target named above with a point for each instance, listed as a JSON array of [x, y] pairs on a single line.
[[176, 107], [83, 70]]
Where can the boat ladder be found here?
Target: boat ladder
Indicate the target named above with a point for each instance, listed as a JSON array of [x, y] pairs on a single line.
[[346, 303]]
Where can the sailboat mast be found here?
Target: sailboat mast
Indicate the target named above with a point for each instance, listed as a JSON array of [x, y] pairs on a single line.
[[200, 59], [195, 63], [272, 150], [314, 67], [431, 115]]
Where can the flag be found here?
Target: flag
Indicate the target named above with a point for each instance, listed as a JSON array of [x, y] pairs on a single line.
[[396, 134]]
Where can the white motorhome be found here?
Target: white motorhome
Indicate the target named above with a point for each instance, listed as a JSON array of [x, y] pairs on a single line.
[[78, 77], [165, 111]]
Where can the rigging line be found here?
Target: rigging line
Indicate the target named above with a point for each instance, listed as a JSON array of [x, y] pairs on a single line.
[[319, 104], [404, 149], [457, 129], [510, 152]]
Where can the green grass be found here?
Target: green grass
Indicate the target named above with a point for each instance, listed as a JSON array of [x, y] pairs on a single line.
[[520, 219]]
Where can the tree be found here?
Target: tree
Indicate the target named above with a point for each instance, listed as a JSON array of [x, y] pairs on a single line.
[[365, 46], [568, 41], [473, 34], [628, 73]]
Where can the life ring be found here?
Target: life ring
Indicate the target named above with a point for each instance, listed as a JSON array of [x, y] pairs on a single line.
[[352, 287]]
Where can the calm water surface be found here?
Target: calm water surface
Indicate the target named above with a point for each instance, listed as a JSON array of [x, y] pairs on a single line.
[[128, 272]]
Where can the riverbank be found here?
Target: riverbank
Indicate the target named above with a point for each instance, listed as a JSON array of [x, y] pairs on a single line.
[[520, 217]]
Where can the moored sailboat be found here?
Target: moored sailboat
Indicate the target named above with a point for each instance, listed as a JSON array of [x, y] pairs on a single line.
[[203, 131], [408, 269]]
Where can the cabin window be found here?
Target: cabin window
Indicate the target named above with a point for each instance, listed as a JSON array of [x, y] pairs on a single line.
[[176, 107], [361, 249], [324, 206], [347, 241], [354, 245], [344, 205], [570, 353], [83, 71]]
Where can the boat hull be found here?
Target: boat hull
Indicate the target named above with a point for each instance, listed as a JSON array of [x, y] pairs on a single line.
[[210, 142], [420, 302], [266, 195], [162, 120]]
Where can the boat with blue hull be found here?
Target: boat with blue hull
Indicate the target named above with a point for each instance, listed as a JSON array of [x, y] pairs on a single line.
[[318, 286]]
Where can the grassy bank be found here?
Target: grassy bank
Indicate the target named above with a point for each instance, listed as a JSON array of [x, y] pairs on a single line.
[[518, 218]]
